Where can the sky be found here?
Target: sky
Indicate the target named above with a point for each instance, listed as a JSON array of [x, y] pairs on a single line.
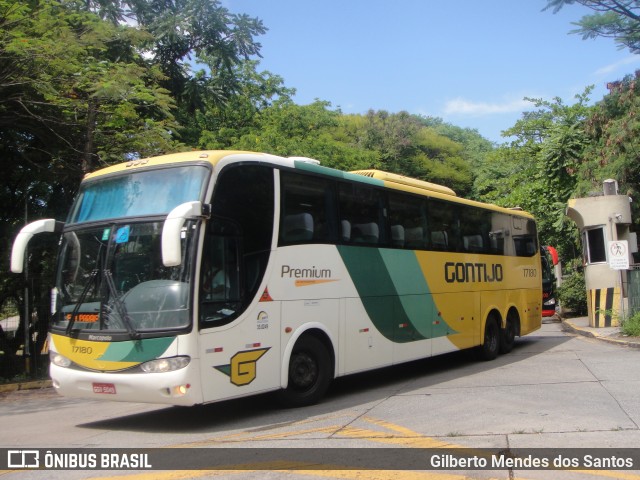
[[469, 62]]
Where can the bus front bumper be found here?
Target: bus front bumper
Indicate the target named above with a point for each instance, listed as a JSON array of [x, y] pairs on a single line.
[[180, 387]]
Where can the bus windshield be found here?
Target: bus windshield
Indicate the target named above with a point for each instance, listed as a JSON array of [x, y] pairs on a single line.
[[138, 193], [112, 278]]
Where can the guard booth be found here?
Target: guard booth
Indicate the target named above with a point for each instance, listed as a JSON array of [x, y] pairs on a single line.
[[608, 246]]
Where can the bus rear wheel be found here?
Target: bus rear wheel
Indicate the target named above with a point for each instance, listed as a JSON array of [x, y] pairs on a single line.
[[309, 373], [508, 334], [491, 345]]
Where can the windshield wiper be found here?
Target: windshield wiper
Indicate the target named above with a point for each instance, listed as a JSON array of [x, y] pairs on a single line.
[[121, 308], [80, 301]]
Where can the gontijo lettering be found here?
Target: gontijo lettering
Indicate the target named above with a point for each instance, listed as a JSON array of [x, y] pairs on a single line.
[[472, 272]]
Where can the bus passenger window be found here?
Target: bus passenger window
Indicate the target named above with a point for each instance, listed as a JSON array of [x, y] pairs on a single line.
[[362, 210], [407, 216], [444, 223], [297, 228], [475, 225], [306, 203]]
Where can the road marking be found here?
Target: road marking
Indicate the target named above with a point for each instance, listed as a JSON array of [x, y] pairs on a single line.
[[391, 434]]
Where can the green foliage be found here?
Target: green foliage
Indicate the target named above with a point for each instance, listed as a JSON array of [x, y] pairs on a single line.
[[613, 131], [538, 170], [631, 325], [475, 148], [78, 92], [408, 145], [613, 19], [572, 294]]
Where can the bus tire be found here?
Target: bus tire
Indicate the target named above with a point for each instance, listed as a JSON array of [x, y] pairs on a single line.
[[491, 345], [508, 334], [309, 373]]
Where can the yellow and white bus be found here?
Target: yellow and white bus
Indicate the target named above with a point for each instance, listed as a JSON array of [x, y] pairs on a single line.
[[196, 277]]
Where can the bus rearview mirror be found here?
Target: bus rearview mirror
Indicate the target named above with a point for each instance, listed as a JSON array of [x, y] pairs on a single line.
[[47, 225], [172, 231]]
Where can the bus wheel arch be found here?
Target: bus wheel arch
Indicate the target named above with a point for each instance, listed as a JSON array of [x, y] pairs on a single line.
[[510, 331], [309, 369]]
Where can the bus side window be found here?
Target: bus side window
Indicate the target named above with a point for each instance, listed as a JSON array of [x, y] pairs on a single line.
[[407, 217], [305, 212], [444, 223], [362, 214], [525, 237], [475, 225]]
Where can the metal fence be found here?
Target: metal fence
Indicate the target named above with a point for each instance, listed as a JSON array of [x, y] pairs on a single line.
[[633, 289]]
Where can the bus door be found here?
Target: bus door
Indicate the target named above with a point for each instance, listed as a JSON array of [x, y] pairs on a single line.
[[238, 321]]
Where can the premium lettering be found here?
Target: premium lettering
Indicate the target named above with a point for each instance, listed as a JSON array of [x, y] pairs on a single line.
[[306, 273]]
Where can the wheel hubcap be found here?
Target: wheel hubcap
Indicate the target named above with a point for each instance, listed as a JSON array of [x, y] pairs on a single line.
[[303, 371]]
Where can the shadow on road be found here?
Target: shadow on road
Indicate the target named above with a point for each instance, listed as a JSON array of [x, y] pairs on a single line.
[[358, 391]]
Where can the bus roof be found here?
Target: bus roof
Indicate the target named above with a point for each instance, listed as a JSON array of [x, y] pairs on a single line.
[[209, 156], [376, 177]]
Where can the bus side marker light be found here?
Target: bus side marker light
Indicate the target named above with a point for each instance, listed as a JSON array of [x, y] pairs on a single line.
[[288, 330]]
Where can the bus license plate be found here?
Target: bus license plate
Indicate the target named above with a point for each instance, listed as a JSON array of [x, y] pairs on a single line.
[[107, 388]]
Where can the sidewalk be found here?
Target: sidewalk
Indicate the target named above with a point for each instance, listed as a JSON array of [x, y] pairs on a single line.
[[24, 385], [580, 325]]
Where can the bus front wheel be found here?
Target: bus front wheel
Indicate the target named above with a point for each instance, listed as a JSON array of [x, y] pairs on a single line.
[[309, 373]]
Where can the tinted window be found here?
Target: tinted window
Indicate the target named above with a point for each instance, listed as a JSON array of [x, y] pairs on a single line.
[[237, 242], [244, 194], [306, 206], [408, 221], [444, 224], [362, 219]]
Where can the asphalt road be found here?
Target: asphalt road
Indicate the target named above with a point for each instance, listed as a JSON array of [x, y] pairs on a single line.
[[555, 390]]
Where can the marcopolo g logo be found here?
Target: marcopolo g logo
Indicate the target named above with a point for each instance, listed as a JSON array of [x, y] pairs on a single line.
[[243, 367]]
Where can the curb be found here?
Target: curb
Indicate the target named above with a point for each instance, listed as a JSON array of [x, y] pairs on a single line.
[[31, 385], [570, 327]]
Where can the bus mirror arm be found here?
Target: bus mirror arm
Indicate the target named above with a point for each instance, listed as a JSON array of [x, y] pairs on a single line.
[[49, 225], [171, 232]]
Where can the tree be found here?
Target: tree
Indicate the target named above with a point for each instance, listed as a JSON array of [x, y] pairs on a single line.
[[221, 125], [538, 170], [475, 147], [188, 34], [613, 131], [405, 145], [617, 19], [612, 128], [75, 93], [287, 129]]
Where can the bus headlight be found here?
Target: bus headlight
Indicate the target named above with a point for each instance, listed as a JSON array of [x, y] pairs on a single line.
[[163, 365], [59, 360], [550, 303]]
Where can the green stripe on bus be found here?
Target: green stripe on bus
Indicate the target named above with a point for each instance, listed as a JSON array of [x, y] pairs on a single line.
[[330, 172], [394, 292], [137, 350]]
